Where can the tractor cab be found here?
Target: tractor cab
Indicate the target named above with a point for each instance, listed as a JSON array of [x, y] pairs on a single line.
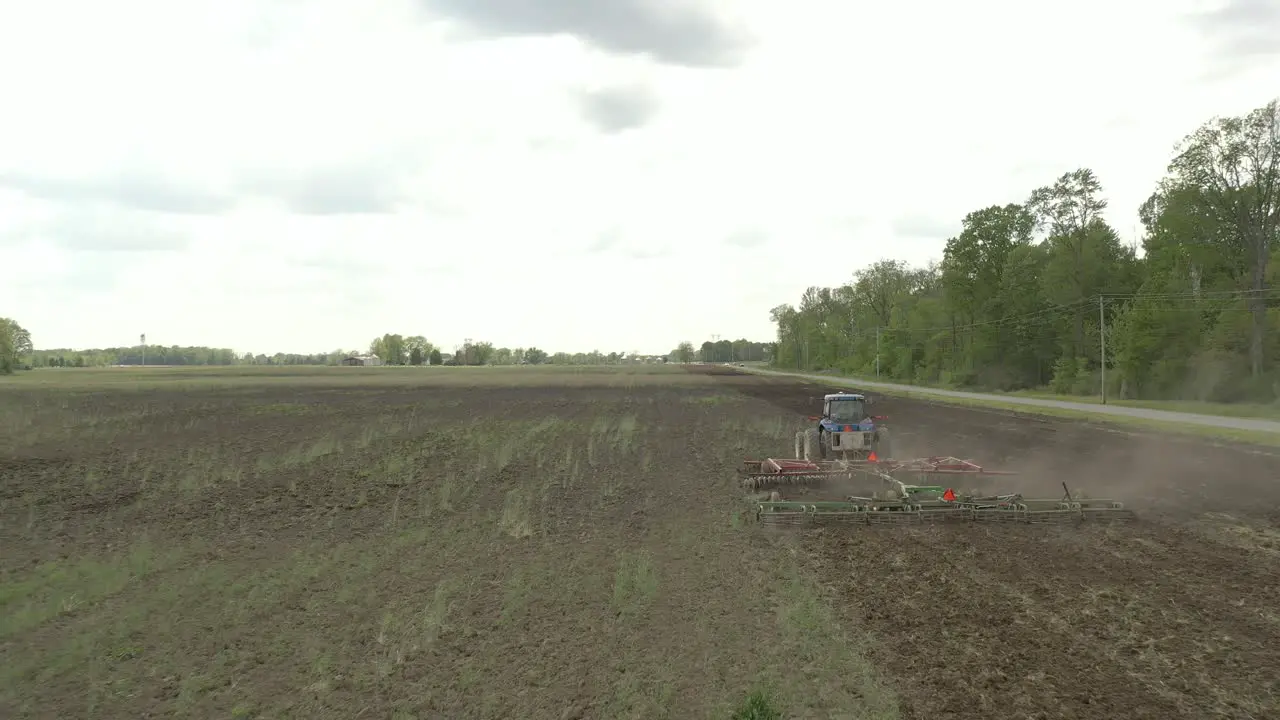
[[839, 409]]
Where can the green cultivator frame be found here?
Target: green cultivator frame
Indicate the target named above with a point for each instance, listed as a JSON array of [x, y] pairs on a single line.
[[911, 491]]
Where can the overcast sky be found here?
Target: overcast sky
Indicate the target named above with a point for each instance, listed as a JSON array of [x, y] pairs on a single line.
[[302, 175]]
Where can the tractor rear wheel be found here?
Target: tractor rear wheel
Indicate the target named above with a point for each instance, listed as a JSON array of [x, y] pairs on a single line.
[[882, 444], [812, 445]]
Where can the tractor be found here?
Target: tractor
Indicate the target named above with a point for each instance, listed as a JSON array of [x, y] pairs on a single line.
[[848, 451], [844, 431]]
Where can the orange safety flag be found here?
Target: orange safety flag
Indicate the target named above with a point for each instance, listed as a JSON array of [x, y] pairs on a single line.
[[949, 495], [872, 457]]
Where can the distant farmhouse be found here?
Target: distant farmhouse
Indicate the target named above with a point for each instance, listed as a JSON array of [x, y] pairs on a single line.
[[366, 360]]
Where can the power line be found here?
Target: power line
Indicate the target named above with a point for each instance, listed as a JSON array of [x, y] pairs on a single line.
[[1192, 294]]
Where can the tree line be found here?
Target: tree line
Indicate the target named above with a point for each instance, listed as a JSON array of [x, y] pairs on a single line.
[[723, 351], [16, 352], [1044, 293], [173, 355], [395, 349]]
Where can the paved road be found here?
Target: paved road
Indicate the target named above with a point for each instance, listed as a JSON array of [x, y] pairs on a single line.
[[1220, 421]]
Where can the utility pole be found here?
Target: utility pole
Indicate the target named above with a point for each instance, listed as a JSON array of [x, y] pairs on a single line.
[[143, 338], [877, 352], [1102, 336]]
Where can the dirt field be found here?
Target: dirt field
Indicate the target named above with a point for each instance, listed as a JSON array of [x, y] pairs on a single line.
[[489, 543]]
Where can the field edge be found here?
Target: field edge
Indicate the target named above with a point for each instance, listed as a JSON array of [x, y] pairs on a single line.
[[1117, 423]]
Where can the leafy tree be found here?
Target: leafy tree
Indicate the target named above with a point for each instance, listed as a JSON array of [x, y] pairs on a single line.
[[477, 353], [391, 348], [534, 356], [1229, 172], [436, 358], [15, 346], [973, 281], [684, 352], [420, 344], [1083, 249], [1023, 292]]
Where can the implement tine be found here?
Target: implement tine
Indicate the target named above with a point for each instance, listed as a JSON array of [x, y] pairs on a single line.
[[914, 504]]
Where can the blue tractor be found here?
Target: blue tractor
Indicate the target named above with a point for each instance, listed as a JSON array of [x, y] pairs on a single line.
[[845, 431]]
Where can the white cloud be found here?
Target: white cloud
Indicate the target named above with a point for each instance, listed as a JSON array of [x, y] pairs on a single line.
[[297, 176]]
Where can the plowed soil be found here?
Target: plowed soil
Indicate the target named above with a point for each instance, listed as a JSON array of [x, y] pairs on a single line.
[[543, 543], [1175, 616]]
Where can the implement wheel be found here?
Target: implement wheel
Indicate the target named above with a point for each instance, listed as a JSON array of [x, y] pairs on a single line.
[[883, 445], [812, 445]]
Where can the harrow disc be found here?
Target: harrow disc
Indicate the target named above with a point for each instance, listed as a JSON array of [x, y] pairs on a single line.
[[774, 473]]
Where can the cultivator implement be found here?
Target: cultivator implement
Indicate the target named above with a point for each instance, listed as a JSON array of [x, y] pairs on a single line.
[[775, 473], [996, 508], [911, 492]]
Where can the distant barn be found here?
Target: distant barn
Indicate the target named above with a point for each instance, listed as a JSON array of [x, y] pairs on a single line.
[[365, 360]]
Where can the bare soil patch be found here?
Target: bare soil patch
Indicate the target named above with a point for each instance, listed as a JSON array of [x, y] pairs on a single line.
[[460, 544], [475, 544], [1173, 617]]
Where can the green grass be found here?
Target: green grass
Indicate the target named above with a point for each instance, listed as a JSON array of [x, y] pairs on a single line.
[[1262, 411], [757, 706], [61, 587], [1269, 411], [1117, 421]]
